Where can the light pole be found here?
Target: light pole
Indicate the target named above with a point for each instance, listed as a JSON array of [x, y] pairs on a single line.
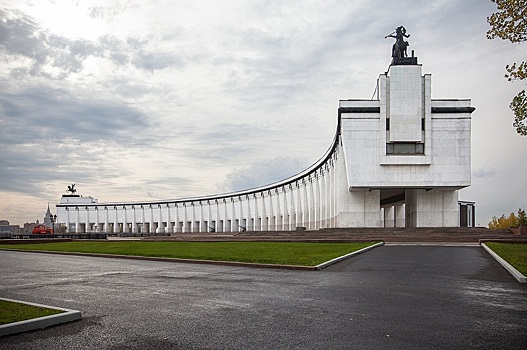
[[53, 219]]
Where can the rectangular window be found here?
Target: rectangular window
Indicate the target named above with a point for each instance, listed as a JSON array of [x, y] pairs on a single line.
[[403, 148]]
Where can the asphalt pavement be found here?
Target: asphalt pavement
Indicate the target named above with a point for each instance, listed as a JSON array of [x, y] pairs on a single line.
[[392, 297]]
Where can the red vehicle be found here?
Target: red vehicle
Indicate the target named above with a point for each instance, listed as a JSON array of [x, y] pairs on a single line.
[[42, 229]]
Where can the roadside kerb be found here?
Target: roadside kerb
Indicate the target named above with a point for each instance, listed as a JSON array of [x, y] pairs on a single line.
[[340, 258], [211, 262], [40, 322], [512, 270]]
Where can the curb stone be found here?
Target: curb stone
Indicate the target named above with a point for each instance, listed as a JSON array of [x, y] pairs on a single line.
[[209, 262], [340, 258], [40, 322], [511, 269]]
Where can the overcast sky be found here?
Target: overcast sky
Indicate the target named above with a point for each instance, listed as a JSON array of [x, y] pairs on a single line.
[[139, 100]]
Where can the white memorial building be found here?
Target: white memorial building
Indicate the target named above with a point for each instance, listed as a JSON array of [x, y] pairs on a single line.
[[396, 161]]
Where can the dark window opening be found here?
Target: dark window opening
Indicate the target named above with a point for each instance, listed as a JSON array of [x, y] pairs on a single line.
[[387, 123], [405, 148]]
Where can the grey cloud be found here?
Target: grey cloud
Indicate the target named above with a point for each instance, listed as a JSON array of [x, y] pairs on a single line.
[[20, 35], [57, 114], [27, 168], [135, 52], [230, 131], [155, 61]]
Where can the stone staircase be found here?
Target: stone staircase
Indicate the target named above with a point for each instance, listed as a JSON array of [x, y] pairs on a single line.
[[400, 234]]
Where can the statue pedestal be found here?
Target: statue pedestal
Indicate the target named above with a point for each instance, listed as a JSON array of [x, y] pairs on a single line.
[[404, 61]]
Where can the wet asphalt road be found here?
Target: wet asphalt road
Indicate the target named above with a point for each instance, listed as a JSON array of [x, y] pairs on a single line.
[[393, 297]]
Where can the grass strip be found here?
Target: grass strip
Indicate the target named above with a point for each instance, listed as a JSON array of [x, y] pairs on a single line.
[[514, 254], [285, 253], [14, 312]]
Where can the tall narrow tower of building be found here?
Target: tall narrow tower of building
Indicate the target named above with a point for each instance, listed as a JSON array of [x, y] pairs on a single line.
[[405, 152]]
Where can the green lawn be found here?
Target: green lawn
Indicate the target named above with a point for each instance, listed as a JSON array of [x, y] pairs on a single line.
[[514, 254], [14, 312], [288, 253]]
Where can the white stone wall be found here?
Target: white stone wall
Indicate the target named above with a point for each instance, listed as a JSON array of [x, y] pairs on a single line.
[[445, 162], [405, 94], [433, 208]]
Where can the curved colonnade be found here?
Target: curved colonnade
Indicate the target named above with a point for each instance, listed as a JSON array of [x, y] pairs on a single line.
[[308, 200]]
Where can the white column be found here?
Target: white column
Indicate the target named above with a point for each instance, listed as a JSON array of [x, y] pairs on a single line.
[[77, 224], [313, 203], [287, 212], [209, 213], [318, 206], [169, 226], [143, 221], [234, 225], [115, 220], [176, 217], [193, 218], [257, 224], [325, 202], [272, 216], [271, 225], [265, 226], [279, 220], [202, 226], [295, 205], [225, 217], [125, 220], [241, 217], [298, 206], [134, 220], [322, 199], [151, 228], [68, 220], [399, 215], [106, 220], [330, 194], [323, 187], [219, 227], [305, 211], [160, 226], [96, 225], [185, 219], [334, 191], [249, 215], [389, 218], [86, 226]]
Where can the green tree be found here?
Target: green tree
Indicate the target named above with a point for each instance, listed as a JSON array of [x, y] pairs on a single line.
[[510, 23], [522, 218]]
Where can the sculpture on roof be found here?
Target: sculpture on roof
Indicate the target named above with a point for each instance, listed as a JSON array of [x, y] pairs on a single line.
[[71, 189], [400, 47]]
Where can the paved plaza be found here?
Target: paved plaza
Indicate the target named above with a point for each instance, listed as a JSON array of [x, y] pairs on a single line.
[[393, 297]]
